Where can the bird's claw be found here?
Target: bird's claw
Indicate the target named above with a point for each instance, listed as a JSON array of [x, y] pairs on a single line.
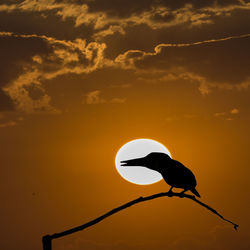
[[170, 193]]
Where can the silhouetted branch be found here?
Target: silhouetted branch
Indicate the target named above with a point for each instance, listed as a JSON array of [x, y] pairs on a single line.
[[47, 242], [48, 238]]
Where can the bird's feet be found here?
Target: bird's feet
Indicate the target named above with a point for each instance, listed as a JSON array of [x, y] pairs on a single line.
[[170, 192], [182, 193]]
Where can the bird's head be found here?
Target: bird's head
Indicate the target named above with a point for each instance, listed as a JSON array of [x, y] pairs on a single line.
[[154, 161]]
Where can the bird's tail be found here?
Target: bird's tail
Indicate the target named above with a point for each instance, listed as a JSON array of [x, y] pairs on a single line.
[[194, 191]]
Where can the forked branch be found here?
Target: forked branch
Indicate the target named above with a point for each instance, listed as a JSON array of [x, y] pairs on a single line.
[[48, 238]]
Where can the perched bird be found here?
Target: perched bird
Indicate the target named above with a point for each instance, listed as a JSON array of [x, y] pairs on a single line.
[[173, 172]]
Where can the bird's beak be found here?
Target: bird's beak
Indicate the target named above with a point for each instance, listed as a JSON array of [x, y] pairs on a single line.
[[139, 162]]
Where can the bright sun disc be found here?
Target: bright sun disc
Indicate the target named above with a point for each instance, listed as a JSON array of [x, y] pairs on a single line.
[[135, 149]]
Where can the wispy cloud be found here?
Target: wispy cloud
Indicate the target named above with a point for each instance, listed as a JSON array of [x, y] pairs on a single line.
[[108, 20], [78, 57], [94, 97], [229, 115], [128, 58], [8, 124], [160, 46], [167, 59], [234, 111], [220, 114]]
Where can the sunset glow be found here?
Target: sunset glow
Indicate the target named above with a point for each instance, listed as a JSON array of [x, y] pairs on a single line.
[[84, 82]]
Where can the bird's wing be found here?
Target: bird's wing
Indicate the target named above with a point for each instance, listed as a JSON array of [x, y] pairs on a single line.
[[185, 173]]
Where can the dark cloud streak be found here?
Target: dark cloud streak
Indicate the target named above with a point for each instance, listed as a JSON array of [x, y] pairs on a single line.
[[130, 35]]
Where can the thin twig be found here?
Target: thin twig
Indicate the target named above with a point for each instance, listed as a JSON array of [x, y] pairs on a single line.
[[133, 202]]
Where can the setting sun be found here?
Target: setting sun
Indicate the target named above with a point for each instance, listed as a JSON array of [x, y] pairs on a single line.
[[135, 149]]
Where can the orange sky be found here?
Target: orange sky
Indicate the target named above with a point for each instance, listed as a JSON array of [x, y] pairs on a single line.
[[81, 78]]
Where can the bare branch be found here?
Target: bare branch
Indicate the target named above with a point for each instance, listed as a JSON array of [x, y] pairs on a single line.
[[47, 238]]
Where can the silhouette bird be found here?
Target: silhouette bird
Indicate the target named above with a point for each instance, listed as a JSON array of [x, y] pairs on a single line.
[[173, 172]]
